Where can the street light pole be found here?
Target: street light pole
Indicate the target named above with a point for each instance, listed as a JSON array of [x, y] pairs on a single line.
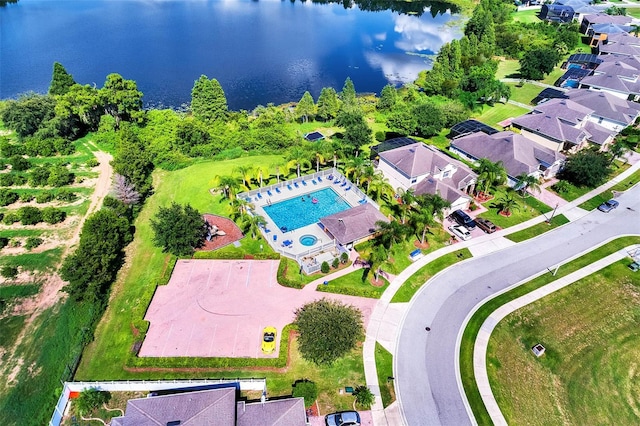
[[552, 214]]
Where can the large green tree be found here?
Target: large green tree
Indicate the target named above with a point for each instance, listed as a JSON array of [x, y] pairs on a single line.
[[328, 104], [538, 62], [178, 229], [306, 107], [28, 113], [586, 168], [61, 81], [348, 94], [93, 266], [133, 161], [208, 101], [388, 98], [328, 330], [121, 99]]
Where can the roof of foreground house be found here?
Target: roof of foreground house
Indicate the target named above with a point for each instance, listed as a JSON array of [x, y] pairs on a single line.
[[518, 153], [436, 186], [551, 127], [353, 224], [416, 159], [211, 407]]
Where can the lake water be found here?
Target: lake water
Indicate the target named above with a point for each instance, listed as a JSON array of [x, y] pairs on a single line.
[[260, 51]]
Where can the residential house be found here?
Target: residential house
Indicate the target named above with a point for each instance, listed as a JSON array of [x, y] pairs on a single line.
[[620, 44], [609, 111], [599, 33], [580, 8], [562, 125], [353, 226], [211, 407], [428, 171], [617, 74], [602, 18], [517, 153], [556, 13]]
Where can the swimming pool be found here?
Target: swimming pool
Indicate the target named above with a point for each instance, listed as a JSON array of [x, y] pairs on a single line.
[[301, 211]]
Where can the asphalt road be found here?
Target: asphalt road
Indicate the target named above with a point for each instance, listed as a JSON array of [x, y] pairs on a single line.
[[425, 373]]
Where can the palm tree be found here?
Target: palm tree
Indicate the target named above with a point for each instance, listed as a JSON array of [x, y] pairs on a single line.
[[261, 171], [245, 173], [324, 152], [364, 396], [616, 150], [390, 233], [507, 204], [378, 256], [527, 181], [277, 168], [298, 157], [239, 207], [368, 174], [379, 187], [405, 202], [228, 184], [252, 223], [353, 168], [490, 173], [435, 203], [421, 220]]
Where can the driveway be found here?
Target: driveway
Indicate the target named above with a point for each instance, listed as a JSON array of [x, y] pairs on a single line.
[[426, 362], [218, 308]]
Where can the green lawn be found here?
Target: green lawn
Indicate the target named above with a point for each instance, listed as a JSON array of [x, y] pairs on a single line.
[[553, 75], [508, 68], [535, 230], [526, 16], [384, 368], [525, 93], [633, 12], [356, 283], [495, 114], [424, 274], [621, 186], [588, 374], [528, 208], [478, 318]]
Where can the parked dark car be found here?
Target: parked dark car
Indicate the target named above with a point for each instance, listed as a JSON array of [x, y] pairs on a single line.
[[463, 219], [343, 418], [607, 206], [486, 225]]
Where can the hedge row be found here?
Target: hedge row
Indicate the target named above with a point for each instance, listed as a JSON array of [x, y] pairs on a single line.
[[282, 276], [200, 362], [29, 215], [234, 254], [365, 291]]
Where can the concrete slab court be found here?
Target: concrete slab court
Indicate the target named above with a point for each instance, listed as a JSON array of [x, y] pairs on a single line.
[[218, 308]]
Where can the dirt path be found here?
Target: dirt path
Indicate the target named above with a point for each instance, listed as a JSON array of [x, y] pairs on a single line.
[[52, 285]]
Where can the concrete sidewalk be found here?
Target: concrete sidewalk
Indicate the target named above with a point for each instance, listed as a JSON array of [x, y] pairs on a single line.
[[482, 340], [384, 317]]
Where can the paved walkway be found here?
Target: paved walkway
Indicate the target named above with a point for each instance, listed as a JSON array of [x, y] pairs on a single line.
[[386, 318], [482, 340]]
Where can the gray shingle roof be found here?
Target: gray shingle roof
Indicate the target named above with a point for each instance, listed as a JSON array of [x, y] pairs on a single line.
[[353, 224], [518, 153], [436, 186], [564, 109], [606, 105], [416, 159], [281, 412], [551, 127], [216, 406], [598, 134], [603, 18], [620, 43]]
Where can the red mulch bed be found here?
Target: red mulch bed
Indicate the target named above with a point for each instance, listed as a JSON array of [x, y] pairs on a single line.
[[483, 198], [224, 224], [420, 245]]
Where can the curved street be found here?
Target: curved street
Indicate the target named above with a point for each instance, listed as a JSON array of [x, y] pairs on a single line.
[[426, 374]]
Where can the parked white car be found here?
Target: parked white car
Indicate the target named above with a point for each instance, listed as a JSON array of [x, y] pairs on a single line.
[[460, 232]]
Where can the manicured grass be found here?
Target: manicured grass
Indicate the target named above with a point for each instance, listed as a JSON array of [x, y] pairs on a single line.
[[495, 114], [424, 274], [574, 192], [478, 318], [508, 68], [588, 374], [633, 12], [356, 283], [15, 291], [535, 230], [525, 93], [526, 16], [528, 208], [553, 75], [384, 368], [621, 186]]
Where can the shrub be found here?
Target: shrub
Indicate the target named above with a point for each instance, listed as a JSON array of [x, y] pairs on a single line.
[[44, 197], [90, 399], [33, 242], [344, 257], [305, 389], [52, 215], [66, 195], [335, 263], [364, 396], [325, 268], [39, 176], [25, 197], [6, 179], [92, 162], [10, 218], [30, 215], [4, 241], [60, 176], [7, 197], [9, 271], [561, 187], [19, 163]]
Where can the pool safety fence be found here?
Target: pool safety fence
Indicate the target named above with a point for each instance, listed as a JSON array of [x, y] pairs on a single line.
[[146, 385]]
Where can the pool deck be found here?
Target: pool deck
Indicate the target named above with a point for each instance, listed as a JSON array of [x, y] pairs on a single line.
[[353, 197]]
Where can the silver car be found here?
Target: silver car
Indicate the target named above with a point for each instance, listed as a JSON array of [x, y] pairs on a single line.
[[343, 418], [460, 232]]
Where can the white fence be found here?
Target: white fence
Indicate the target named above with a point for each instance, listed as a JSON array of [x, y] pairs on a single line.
[[145, 385]]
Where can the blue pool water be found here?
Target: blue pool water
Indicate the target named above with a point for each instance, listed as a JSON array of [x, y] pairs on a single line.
[[295, 213], [308, 240]]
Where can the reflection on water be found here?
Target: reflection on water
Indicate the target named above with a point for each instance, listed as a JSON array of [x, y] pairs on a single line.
[[261, 52]]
